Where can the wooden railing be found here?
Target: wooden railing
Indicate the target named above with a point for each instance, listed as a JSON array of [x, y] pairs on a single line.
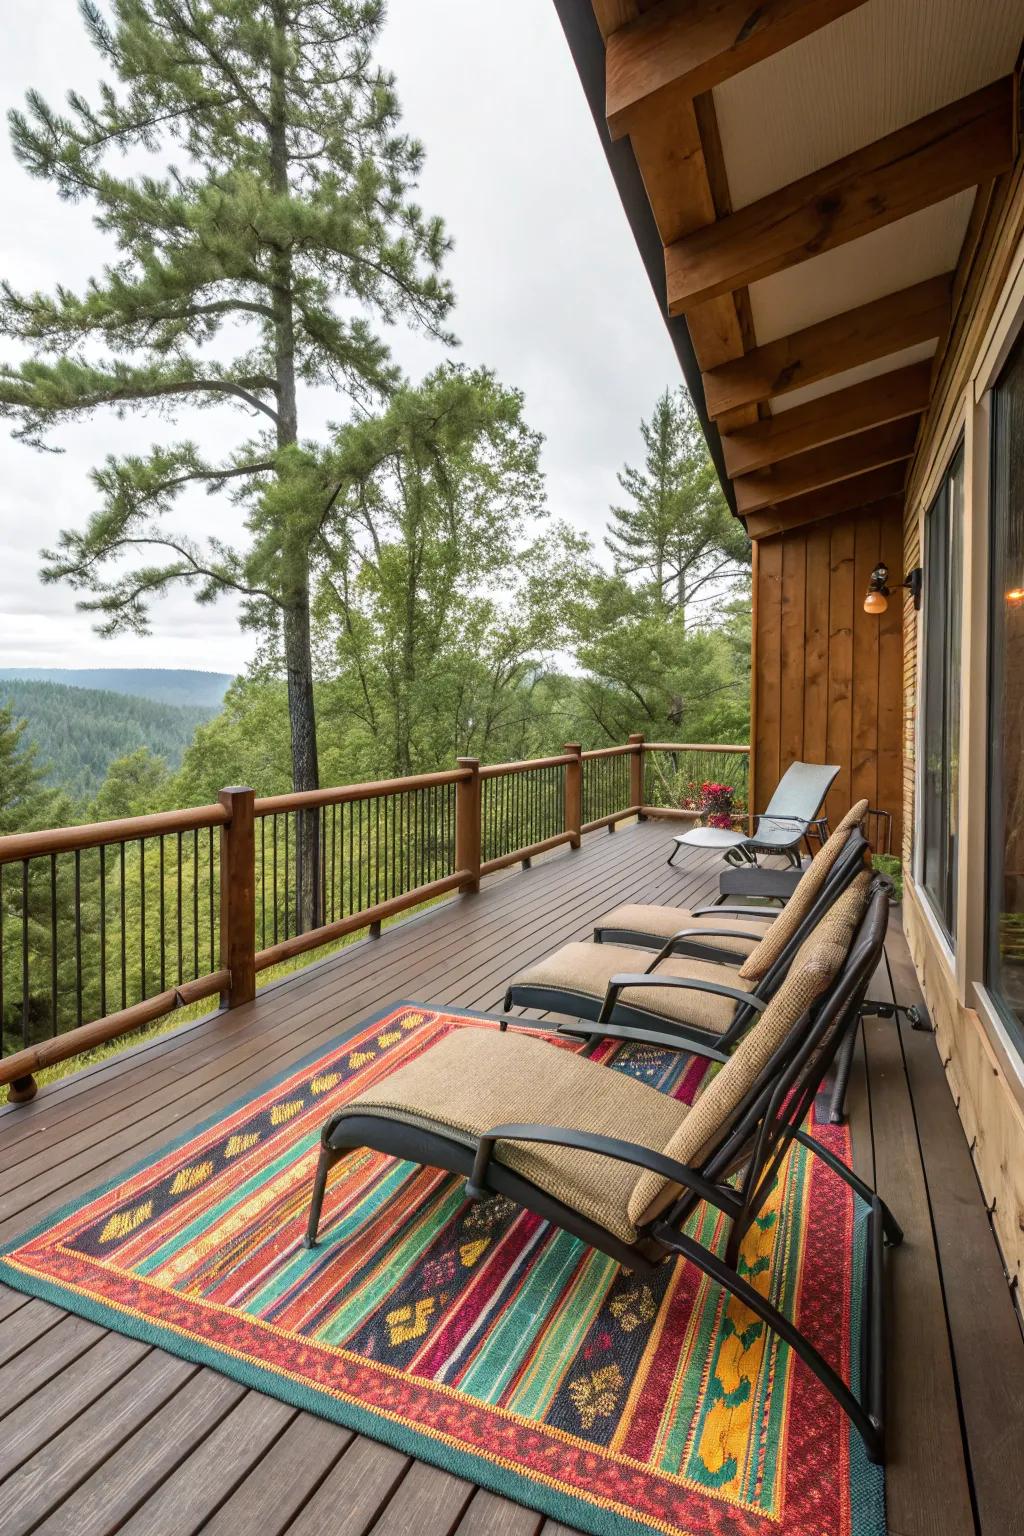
[[108, 927]]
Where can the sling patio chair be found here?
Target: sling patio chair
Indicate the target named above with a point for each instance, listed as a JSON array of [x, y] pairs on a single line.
[[681, 1000], [716, 932], [793, 812], [621, 1166]]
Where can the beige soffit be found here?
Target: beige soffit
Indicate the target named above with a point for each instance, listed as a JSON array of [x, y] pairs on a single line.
[[864, 76], [873, 71]]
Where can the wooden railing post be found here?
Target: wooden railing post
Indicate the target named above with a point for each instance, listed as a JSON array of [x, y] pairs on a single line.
[[238, 896], [574, 793], [636, 771], [467, 824]]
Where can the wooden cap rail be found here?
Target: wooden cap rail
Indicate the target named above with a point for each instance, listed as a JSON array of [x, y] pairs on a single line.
[[499, 770], [236, 815], [312, 799], [32, 845]]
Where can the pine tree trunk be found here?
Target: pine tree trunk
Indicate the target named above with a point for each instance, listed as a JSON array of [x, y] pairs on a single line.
[[296, 625]]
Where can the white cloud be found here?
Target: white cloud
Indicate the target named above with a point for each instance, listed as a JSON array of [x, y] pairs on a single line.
[[552, 295]]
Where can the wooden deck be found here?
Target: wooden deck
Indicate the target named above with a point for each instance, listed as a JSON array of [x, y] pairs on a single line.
[[99, 1433]]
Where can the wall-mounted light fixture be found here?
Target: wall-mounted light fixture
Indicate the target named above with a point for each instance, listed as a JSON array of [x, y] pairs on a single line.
[[1015, 596], [878, 593]]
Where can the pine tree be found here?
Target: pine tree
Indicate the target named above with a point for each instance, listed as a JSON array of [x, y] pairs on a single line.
[[678, 534], [292, 194]]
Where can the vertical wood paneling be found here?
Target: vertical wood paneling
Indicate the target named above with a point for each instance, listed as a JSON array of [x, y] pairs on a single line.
[[829, 678], [769, 650], [864, 691], [791, 659], [839, 731], [816, 644]]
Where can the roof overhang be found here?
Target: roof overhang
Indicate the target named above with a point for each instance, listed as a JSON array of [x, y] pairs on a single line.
[[807, 182]]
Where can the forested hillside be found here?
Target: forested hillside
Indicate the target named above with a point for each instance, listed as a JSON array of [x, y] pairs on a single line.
[[79, 732], [167, 685]]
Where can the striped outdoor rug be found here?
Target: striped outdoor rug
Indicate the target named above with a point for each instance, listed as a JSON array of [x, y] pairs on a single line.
[[476, 1336]]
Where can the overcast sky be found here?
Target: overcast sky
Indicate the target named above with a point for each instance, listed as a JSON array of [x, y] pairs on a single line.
[[551, 294]]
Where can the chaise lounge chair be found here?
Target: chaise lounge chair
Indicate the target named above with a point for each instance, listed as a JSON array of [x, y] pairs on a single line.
[[720, 932], [793, 811], [680, 999], [622, 1166]]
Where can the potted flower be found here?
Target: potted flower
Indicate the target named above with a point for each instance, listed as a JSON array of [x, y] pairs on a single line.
[[716, 805]]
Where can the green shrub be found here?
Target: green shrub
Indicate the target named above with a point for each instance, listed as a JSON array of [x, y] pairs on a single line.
[[889, 865]]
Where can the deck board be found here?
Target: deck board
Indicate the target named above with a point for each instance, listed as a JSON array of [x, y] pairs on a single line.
[[99, 1433]]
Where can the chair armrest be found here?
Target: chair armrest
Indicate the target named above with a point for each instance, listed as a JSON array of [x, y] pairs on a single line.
[[687, 934], [619, 983], [796, 821], [633, 1032], [763, 914], [588, 1141]]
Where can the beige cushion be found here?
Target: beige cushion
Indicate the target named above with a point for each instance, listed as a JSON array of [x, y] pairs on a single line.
[[476, 1079], [663, 922], [760, 960], [584, 970], [814, 966]]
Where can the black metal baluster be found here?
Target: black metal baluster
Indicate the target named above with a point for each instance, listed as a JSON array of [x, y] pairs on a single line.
[[300, 838], [103, 930], [180, 909], [213, 935], [195, 901], [78, 936], [124, 937], [53, 945], [163, 963], [275, 876], [142, 917], [263, 882], [25, 988], [287, 874]]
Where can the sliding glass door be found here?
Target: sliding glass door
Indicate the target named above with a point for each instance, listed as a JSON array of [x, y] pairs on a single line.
[[940, 740], [1005, 909]]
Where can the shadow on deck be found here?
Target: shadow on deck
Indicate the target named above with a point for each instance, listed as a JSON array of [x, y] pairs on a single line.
[[100, 1433]]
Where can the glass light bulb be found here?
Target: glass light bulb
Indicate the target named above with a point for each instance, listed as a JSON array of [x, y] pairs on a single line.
[[876, 602]]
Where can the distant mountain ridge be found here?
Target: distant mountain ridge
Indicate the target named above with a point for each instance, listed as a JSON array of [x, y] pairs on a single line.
[[80, 731], [170, 685]]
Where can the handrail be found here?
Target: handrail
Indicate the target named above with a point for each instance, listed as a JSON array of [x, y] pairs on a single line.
[[595, 752], [350, 857], [692, 746], [31, 845], [344, 794], [500, 770]]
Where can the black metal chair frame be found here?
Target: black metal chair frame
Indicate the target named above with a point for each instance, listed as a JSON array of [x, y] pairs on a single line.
[[619, 1020], [755, 1139]]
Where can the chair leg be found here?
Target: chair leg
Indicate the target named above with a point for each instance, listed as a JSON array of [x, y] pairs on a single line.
[[323, 1168], [675, 849], [868, 1424], [892, 1231], [843, 1067]]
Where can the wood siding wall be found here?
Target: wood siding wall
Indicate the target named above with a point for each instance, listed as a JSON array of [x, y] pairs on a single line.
[[984, 1072], [829, 677]]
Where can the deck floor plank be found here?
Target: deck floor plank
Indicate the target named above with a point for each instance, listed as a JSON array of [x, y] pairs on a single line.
[[207, 1455]]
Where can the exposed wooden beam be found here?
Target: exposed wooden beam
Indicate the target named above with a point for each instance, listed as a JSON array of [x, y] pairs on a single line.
[[857, 336], [939, 155], [684, 47], [676, 151], [845, 496], [888, 397], [613, 14], [824, 466]]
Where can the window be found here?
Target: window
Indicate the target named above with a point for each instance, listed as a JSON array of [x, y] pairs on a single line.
[[943, 564], [1004, 975]]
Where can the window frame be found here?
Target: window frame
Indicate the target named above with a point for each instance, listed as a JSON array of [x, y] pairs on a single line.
[[946, 926], [1012, 1025]]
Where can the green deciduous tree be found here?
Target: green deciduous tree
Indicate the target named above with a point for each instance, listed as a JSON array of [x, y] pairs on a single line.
[[248, 268], [440, 600]]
